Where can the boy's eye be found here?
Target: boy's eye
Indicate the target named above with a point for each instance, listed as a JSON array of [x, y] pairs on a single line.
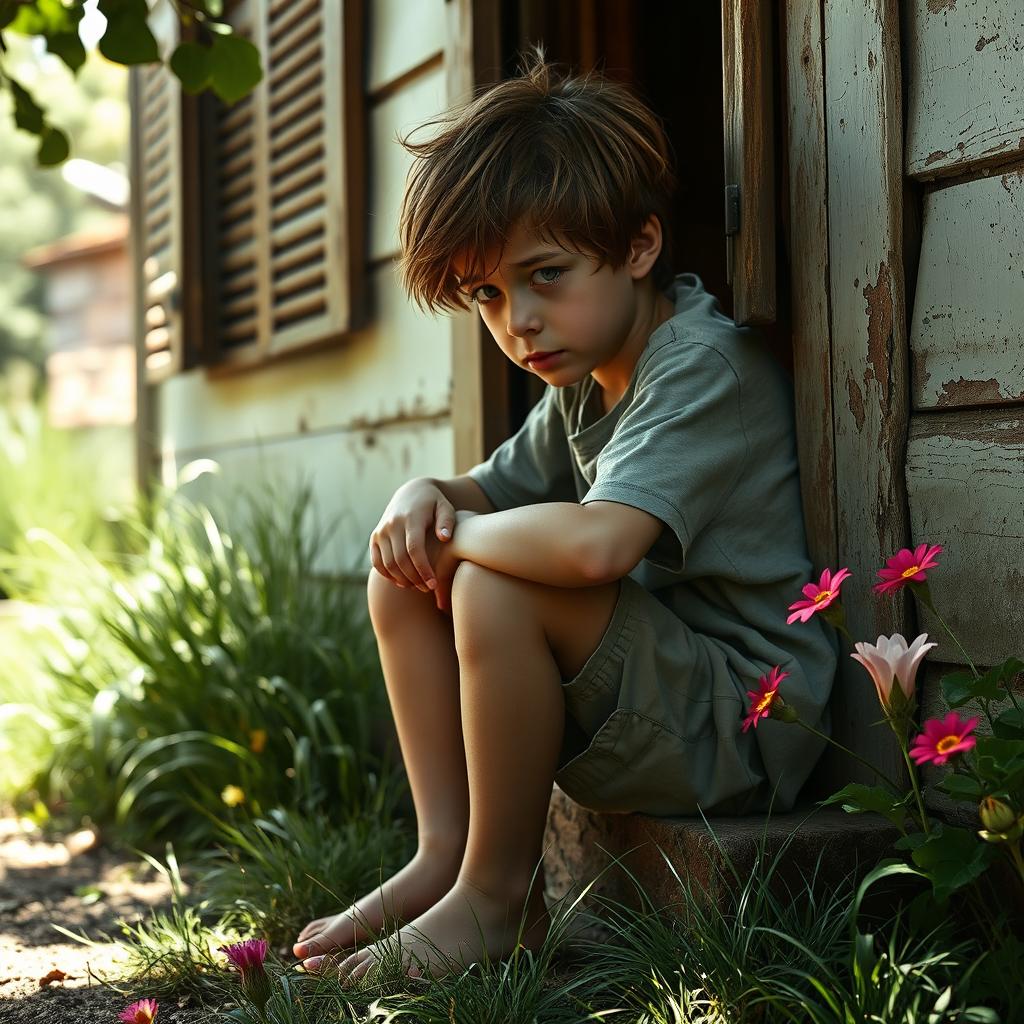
[[549, 276], [475, 294]]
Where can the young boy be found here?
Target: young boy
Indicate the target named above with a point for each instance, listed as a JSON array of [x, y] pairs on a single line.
[[590, 605]]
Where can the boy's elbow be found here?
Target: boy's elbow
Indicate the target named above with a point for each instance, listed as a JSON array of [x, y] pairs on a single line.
[[597, 565]]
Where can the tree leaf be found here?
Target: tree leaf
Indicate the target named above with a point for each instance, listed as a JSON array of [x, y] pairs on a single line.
[[128, 39], [28, 115], [54, 147], [235, 67], [191, 63]]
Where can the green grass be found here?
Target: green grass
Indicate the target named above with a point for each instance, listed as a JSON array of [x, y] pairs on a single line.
[[757, 955], [213, 657]]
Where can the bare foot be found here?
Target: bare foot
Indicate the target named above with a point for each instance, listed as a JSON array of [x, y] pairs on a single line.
[[404, 896], [465, 926]]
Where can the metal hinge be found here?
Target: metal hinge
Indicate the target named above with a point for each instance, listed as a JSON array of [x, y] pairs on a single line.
[[732, 225], [732, 209]]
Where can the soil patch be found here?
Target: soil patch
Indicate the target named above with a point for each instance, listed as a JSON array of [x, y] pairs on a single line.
[[47, 977]]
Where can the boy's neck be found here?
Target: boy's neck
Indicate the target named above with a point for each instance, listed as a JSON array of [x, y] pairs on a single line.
[[613, 378]]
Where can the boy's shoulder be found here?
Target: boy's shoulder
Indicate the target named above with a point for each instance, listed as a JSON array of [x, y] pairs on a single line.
[[699, 343]]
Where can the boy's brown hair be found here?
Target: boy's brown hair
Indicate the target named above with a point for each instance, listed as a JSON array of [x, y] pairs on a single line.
[[579, 160]]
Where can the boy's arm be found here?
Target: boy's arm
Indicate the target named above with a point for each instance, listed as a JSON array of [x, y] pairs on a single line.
[[559, 543], [464, 493]]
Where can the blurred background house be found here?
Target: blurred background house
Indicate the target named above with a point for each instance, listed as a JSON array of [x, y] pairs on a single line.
[[89, 344]]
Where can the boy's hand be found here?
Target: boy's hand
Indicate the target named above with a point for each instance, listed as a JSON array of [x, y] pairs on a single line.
[[445, 564], [400, 545]]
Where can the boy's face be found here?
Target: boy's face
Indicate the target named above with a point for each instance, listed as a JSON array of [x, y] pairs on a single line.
[[561, 303]]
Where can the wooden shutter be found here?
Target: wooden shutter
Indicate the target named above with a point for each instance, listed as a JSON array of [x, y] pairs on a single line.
[[749, 158], [288, 163], [156, 139]]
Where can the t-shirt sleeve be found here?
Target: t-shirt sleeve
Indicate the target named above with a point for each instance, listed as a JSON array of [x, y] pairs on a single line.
[[679, 449], [532, 466]]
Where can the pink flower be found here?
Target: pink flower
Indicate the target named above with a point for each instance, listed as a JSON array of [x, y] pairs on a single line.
[[142, 1012], [907, 565], [890, 659], [942, 738], [819, 595], [247, 956], [763, 698]]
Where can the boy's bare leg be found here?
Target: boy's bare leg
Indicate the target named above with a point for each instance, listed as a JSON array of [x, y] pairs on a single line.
[[516, 641], [421, 671]]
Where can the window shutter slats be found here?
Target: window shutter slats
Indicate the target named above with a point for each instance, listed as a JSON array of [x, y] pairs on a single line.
[[156, 141], [251, 240]]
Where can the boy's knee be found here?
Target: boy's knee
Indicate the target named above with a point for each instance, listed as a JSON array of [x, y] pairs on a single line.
[[479, 593], [384, 599]]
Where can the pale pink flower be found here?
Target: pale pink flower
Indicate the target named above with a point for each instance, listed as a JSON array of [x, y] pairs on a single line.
[[763, 697], [819, 595], [907, 565], [142, 1012], [891, 659], [942, 738]]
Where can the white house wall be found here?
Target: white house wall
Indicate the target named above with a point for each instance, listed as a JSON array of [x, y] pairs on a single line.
[[363, 417]]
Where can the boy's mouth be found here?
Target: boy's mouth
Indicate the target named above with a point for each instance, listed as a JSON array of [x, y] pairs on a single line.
[[542, 358]]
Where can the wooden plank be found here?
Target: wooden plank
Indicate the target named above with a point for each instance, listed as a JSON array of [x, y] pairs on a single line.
[[869, 348], [965, 480], [353, 475], [965, 85], [480, 403], [750, 155], [809, 286], [396, 369], [967, 334]]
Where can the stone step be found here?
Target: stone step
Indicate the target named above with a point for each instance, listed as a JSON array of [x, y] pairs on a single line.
[[580, 845]]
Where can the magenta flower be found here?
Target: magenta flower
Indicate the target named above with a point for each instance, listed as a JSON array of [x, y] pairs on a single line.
[[248, 957], [906, 566], [142, 1012], [819, 595], [942, 738], [764, 697]]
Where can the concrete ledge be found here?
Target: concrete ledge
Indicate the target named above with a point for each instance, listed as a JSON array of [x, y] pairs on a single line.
[[575, 836]]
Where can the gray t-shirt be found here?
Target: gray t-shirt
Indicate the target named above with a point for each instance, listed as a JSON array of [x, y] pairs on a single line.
[[703, 438]]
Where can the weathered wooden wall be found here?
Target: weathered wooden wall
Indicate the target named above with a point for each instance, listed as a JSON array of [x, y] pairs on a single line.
[[359, 419], [869, 394], [965, 448]]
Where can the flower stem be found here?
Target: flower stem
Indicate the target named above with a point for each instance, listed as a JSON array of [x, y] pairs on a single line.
[[917, 790], [1018, 861], [942, 622], [847, 750]]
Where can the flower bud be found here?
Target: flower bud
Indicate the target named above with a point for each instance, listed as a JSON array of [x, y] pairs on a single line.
[[783, 712], [996, 815]]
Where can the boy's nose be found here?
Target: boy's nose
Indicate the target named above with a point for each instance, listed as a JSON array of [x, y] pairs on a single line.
[[522, 320]]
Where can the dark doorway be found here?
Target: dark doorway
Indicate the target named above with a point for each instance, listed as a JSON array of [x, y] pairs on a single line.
[[671, 54]]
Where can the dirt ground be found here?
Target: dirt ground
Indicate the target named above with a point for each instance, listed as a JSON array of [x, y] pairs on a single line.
[[45, 976]]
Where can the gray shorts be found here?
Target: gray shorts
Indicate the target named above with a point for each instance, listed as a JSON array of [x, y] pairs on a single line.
[[653, 721]]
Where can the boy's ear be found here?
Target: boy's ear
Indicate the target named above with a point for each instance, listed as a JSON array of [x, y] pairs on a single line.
[[645, 248]]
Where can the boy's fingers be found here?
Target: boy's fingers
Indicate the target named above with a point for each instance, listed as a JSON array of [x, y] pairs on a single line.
[[393, 570], [378, 562], [444, 520], [418, 556]]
